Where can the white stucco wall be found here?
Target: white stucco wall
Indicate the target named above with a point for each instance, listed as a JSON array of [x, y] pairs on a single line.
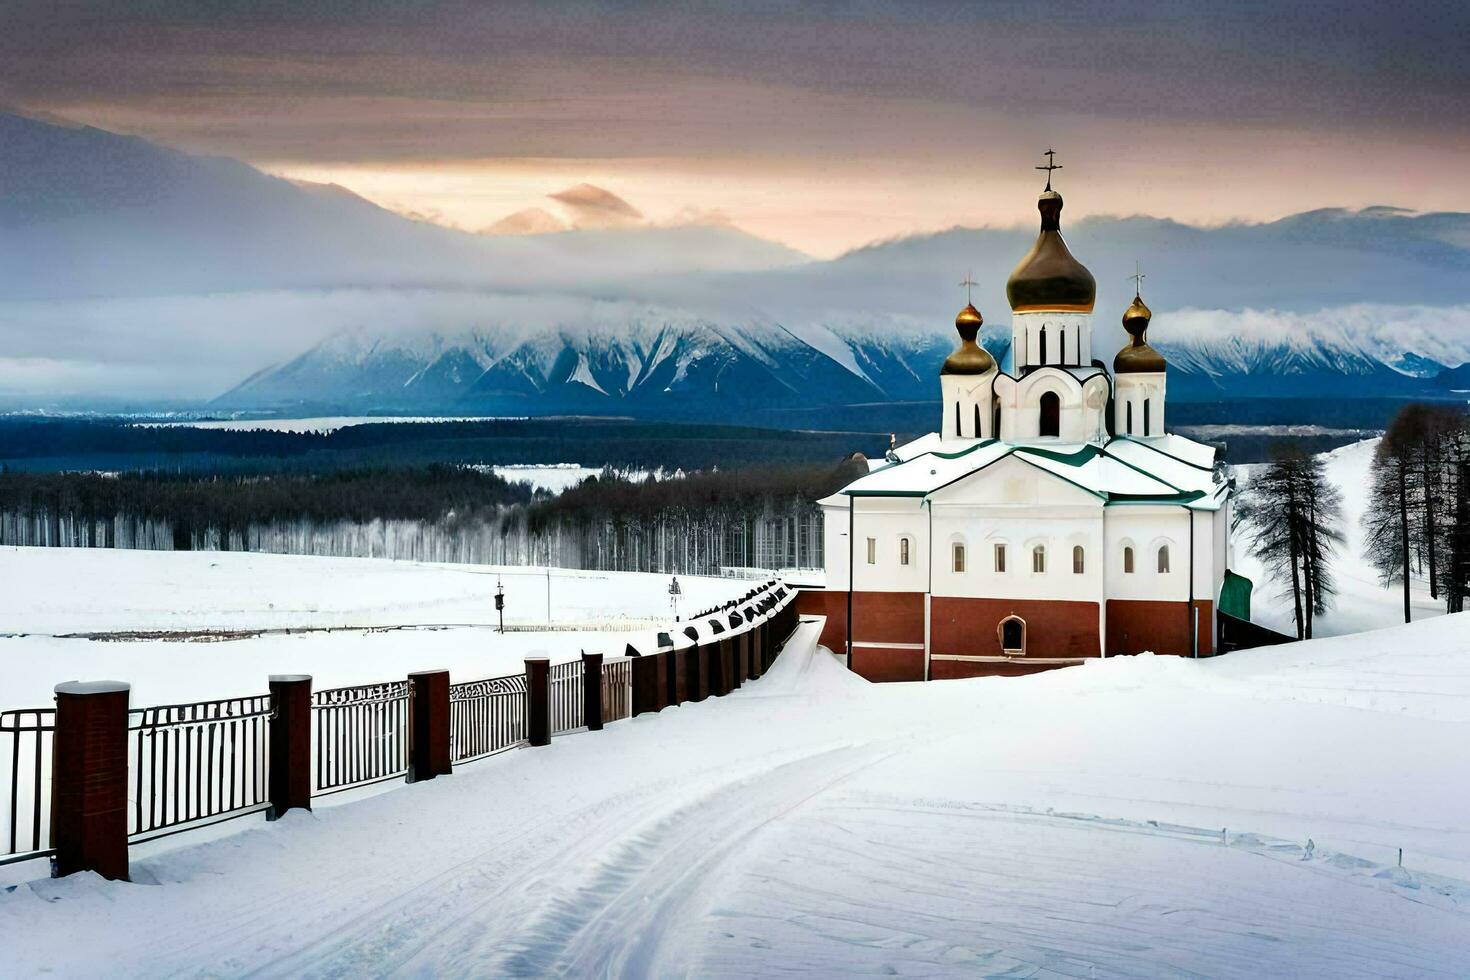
[[886, 520], [1068, 338], [961, 394], [1133, 390]]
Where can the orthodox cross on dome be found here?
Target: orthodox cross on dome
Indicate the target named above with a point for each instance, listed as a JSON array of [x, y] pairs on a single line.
[[1050, 165], [1138, 277], [967, 282]]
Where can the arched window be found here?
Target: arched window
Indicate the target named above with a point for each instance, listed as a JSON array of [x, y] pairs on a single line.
[[1128, 560], [1146, 427], [958, 431], [1000, 559], [1163, 559], [978, 429], [1051, 414], [959, 557], [872, 551], [1043, 344], [1128, 408], [1038, 559], [903, 551], [1077, 560], [1011, 632]]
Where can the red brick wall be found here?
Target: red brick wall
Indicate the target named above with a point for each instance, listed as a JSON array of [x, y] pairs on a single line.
[[1136, 625], [887, 664], [945, 670], [833, 605], [887, 617], [1054, 627]]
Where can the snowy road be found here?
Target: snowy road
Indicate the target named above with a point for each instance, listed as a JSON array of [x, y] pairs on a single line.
[[813, 824]]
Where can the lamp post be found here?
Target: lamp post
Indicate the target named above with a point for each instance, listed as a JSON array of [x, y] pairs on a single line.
[[500, 605], [674, 592]]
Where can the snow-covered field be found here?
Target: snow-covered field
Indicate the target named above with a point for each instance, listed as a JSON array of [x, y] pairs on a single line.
[[1138, 816], [1363, 602], [233, 619]]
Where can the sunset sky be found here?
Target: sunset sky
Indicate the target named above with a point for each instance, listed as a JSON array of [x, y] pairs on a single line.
[[823, 126]]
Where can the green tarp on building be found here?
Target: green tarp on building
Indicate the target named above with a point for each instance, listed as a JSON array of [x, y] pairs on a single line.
[[1235, 596]]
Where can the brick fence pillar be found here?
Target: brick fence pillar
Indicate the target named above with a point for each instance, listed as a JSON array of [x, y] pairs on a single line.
[[428, 725], [663, 689], [645, 671], [89, 779], [290, 744], [592, 691], [719, 662], [538, 700]]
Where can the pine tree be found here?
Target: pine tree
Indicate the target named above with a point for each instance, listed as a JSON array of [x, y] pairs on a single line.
[[1293, 513]]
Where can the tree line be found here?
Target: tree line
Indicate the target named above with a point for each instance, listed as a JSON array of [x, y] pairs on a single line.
[[1418, 516], [1416, 522], [701, 522]]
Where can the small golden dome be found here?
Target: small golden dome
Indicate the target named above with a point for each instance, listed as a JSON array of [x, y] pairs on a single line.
[[1049, 278], [970, 357], [968, 322], [1138, 357]]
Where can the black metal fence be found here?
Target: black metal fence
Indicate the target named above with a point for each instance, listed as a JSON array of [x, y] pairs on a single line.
[[25, 744], [486, 717], [197, 762], [566, 697], [360, 735], [617, 689], [190, 764]]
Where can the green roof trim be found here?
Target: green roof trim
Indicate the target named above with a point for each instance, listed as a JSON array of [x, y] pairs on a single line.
[[886, 493], [1140, 498], [1138, 469], [1177, 459], [1086, 454]]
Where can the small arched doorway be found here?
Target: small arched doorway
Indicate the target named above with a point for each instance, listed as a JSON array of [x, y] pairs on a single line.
[[1051, 414], [1012, 634]]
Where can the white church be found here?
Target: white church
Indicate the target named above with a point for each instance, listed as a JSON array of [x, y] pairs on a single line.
[[1052, 517]]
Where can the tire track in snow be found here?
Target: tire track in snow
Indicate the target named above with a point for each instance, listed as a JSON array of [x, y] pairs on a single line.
[[618, 919]]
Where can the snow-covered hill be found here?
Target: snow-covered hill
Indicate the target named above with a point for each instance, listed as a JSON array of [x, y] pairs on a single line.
[[1140, 816]]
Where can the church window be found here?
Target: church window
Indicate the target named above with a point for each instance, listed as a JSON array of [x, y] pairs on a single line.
[[1000, 559], [958, 428], [872, 551], [977, 421], [1077, 560], [1163, 559], [1051, 414], [959, 558], [1128, 407], [903, 551], [1038, 559], [1146, 426], [1043, 344], [1012, 637], [1128, 561]]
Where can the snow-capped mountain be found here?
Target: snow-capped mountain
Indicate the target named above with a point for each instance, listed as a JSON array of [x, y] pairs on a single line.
[[644, 361], [557, 357]]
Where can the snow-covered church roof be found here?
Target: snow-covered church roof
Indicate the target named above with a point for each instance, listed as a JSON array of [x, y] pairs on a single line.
[[1167, 469]]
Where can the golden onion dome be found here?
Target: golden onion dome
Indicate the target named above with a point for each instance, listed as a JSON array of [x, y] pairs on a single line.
[[1049, 278], [1138, 357], [970, 357]]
